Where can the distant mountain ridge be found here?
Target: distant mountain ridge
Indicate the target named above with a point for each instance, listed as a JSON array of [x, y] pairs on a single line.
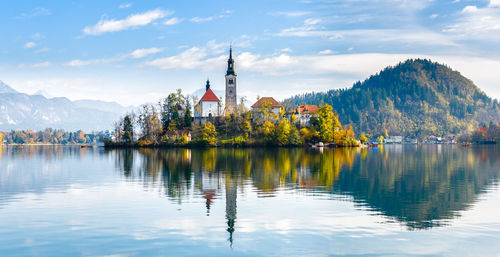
[[23, 111], [414, 98]]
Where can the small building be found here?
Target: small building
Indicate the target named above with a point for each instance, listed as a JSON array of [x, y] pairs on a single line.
[[393, 140], [209, 105], [304, 112], [275, 107]]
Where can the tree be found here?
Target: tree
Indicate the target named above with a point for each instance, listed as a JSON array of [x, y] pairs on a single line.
[[1, 138], [246, 128], [283, 132], [327, 123], [208, 135], [187, 115], [169, 111], [128, 129], [150, 124], [380, 139], [266, 131], [363, 138], [294, 138]]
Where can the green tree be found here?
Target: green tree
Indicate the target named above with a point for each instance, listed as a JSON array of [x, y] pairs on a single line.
[[294, 138], [187, 115], [128, 129], [380, 139]]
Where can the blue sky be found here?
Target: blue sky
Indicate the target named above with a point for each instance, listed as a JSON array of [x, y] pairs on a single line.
[[134, 52]]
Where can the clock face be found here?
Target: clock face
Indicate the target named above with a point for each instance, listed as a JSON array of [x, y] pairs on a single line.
[[231, 81]]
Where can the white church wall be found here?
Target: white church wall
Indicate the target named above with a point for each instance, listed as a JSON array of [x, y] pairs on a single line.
[[208, 108]]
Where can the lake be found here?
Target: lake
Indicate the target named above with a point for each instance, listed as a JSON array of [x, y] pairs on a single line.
[[430, 200]]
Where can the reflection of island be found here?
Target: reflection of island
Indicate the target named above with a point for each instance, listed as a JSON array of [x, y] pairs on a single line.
[[418, 186]]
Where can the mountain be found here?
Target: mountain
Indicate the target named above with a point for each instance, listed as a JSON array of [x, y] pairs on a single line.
[[414, 98], [23, 111], [5, 89]]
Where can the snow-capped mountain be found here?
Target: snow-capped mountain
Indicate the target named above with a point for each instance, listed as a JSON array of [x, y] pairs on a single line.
[[23, 111]]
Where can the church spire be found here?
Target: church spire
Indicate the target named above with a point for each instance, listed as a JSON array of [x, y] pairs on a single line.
[[230, 62], [208, 85]]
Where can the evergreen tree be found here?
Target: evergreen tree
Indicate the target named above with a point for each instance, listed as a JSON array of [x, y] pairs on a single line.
[[128, 129]]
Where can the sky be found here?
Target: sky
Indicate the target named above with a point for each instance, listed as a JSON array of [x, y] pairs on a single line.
[[134, 52]]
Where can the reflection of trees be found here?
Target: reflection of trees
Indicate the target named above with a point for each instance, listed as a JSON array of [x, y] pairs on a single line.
[[419, 186], [422, 188]]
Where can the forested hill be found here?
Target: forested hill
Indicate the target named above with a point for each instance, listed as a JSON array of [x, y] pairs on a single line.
[[414, 98]]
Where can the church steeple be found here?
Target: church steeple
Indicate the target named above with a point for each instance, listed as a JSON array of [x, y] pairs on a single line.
[[230, 84], [230, 62], [208, 85]]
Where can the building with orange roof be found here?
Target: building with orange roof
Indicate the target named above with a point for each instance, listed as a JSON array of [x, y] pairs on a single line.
[[275, 107], [304, 112]]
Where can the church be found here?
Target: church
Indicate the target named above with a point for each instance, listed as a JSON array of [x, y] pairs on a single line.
[[210, 105]]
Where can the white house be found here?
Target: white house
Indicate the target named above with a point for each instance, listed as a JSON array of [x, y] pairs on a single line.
[[209, 105]]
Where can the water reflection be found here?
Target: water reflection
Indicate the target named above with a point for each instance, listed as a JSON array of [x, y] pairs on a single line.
[[418, 186]]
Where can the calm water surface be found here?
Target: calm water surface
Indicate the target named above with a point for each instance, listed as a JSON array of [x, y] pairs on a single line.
[[397, 200]]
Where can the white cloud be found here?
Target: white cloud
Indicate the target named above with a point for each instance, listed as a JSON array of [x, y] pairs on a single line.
[[201, 19], [434, 16], [291, 14], [79, 63], [224, 14], [140, 53], [410, 35], [173, 21], [207, 57], [327, 51], [470, 9], [136, 54], [494, 3], [42, 64], [477, 23], [192, 58], [30, 45], [125, 6], [132, 21]]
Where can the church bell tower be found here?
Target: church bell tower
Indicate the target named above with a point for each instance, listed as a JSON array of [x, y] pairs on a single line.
[[230, 84]]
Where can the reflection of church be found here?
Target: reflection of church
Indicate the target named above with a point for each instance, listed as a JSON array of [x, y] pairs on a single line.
[[209, 185], [210, 105]]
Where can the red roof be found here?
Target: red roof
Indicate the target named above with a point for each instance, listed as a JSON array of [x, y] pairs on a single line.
[[209, 96], [307, 108], [268, 100]]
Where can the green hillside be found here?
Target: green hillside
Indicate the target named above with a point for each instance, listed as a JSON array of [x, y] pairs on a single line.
[[414, 98]]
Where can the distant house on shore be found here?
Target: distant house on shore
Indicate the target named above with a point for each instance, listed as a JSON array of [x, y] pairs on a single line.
[[393, 140], [304, 112], [209, 105], [275, 107]]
